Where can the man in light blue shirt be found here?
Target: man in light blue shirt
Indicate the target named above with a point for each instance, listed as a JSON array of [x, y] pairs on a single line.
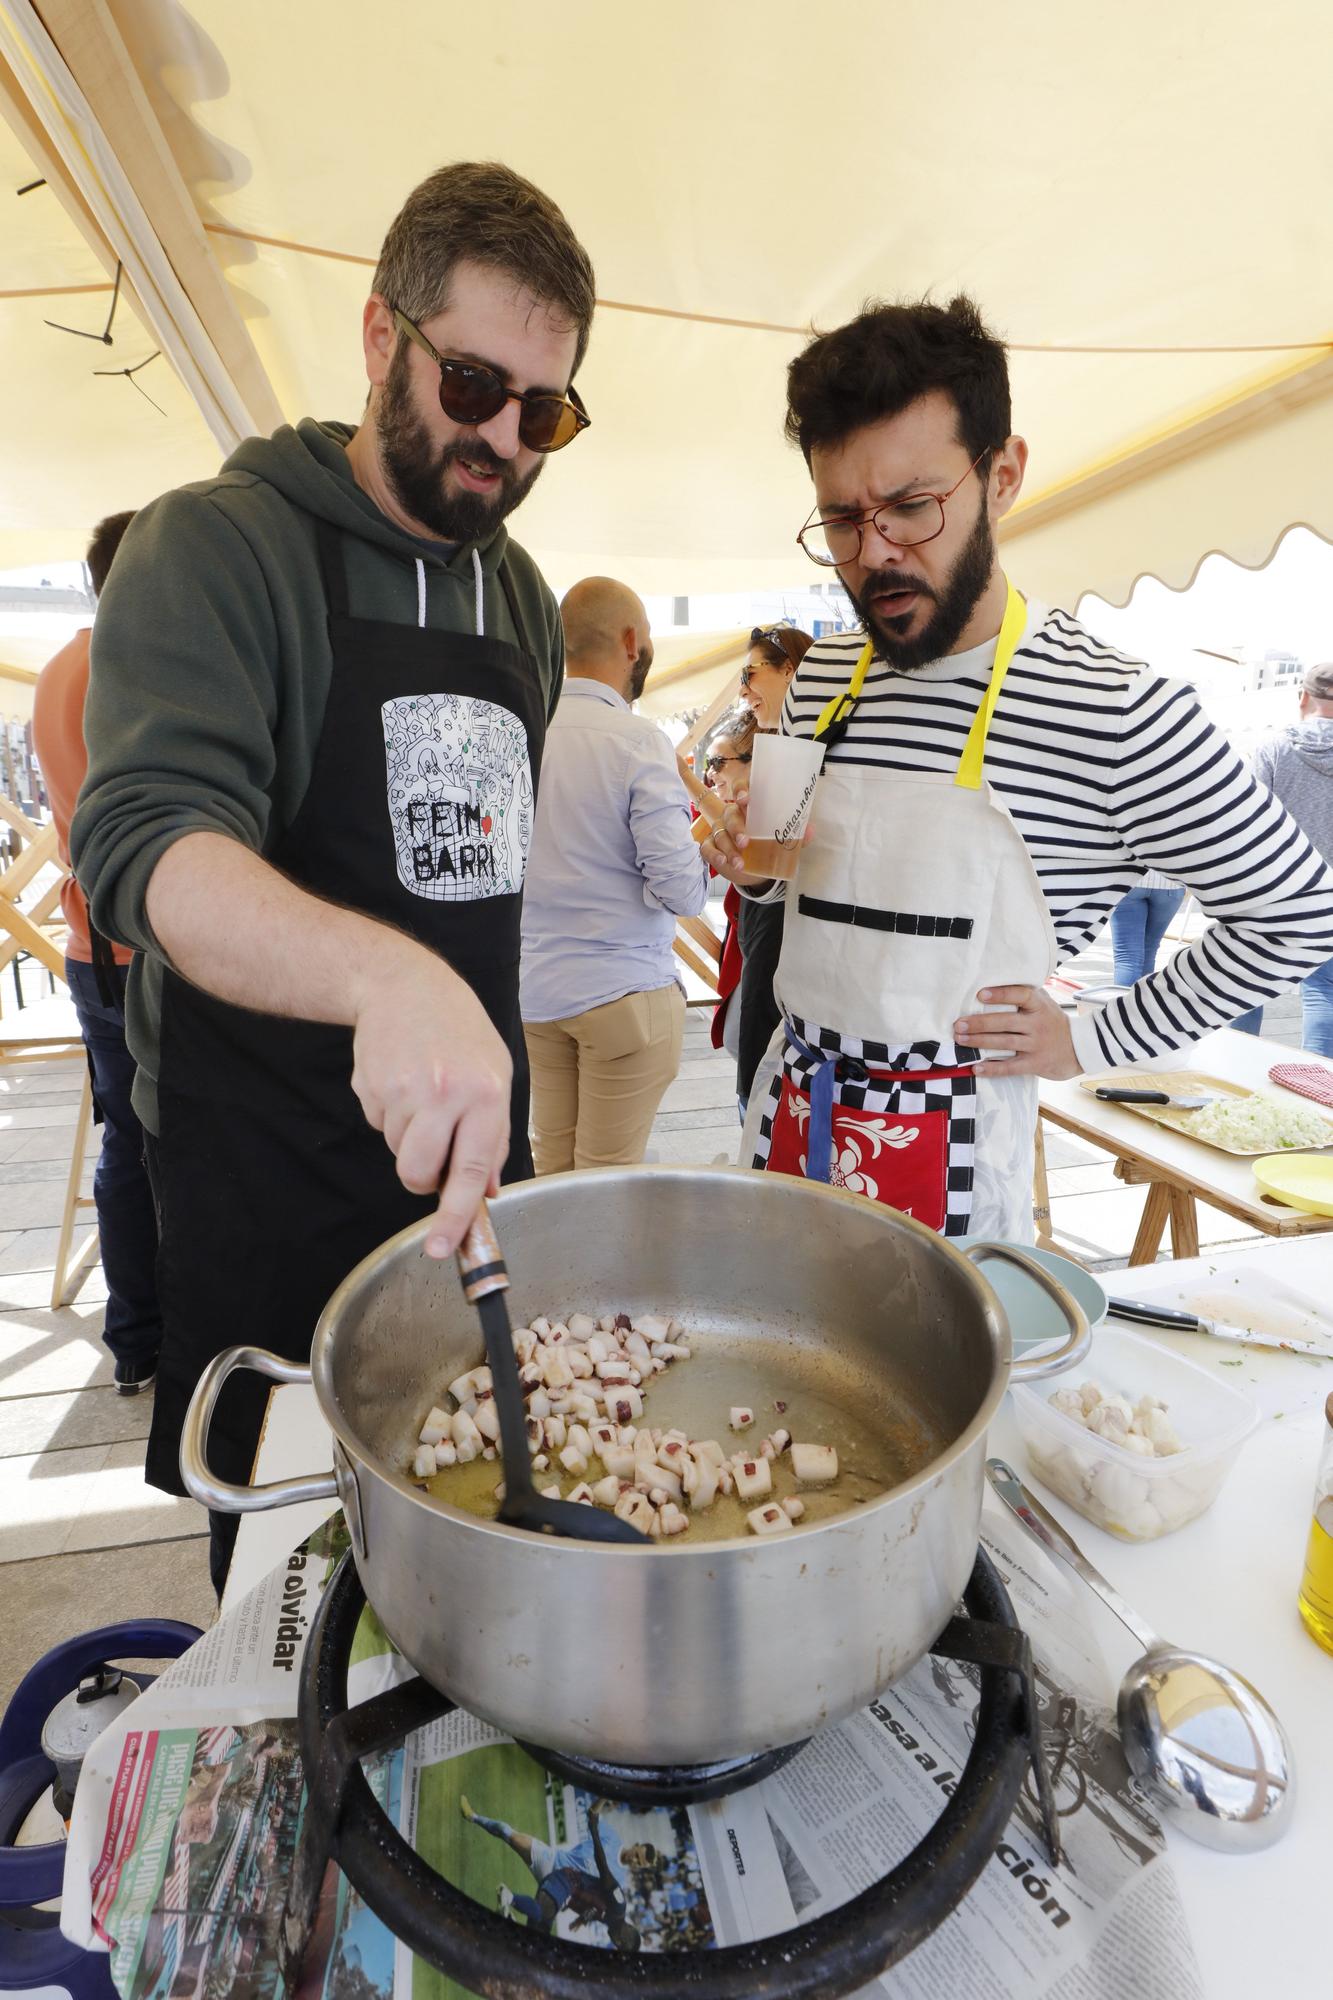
[[612, 866]]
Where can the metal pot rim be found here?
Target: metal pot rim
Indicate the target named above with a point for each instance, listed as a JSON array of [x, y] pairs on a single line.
[[992, 1313]]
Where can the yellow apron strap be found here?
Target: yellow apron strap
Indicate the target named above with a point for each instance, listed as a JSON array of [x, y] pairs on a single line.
[[834, 710], [974, 750]]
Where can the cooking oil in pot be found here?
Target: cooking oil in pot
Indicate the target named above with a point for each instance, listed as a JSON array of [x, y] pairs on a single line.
[[878, 1441]]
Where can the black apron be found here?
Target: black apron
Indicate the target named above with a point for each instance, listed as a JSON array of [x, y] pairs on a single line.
[[419, 812]]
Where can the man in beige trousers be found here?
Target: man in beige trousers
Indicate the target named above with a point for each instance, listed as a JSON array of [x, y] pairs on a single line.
[[612, 867]]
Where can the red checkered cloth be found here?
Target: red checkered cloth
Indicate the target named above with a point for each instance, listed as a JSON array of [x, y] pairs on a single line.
[[1310, 1079]]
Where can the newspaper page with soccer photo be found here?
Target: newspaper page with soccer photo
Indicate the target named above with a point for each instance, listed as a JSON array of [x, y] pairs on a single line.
[[189, 1809]]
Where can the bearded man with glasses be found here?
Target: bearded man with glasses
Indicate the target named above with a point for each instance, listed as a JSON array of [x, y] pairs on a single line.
[[994, 780], [321, 683]]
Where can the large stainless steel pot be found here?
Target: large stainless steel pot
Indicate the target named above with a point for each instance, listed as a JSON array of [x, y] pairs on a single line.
[[694, 1650]]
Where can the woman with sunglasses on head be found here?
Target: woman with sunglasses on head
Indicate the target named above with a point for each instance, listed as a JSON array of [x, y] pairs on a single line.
[[776, 651]]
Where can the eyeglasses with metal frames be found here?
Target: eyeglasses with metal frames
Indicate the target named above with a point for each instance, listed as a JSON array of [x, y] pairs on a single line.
[[906, 523]]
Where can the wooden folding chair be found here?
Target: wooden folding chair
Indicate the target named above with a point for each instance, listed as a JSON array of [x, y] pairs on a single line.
[[700, 947], [30, 928], [48, 1032]]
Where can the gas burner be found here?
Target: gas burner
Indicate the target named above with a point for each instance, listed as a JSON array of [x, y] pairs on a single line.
[[830, 1955], [648, 1785]]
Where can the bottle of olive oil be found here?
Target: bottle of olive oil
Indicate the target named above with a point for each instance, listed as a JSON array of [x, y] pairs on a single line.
[[1316, 1598]]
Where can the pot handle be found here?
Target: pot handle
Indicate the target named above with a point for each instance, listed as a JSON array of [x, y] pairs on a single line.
[[1030, 1368], [220, 1494]]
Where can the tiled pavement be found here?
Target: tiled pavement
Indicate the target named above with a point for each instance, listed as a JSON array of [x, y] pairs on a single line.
[[83, 1541]]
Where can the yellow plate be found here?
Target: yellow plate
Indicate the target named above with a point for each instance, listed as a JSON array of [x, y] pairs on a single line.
[[1302, 1180]]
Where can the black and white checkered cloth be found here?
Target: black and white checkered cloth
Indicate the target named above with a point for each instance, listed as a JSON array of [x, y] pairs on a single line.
[[904, 1095]]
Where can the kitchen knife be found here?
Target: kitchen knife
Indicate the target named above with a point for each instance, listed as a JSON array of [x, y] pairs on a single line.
[[1141, 1312], [1110, 1095]]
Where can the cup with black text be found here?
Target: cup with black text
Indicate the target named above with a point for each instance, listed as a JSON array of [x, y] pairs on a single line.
[[783, 775]]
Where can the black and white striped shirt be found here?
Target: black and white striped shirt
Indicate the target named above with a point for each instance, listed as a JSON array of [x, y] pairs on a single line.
[[1108, 770]]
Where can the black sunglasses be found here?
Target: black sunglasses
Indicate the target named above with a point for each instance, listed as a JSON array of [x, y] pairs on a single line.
[[716, 763], [775, 636], [472, 394]]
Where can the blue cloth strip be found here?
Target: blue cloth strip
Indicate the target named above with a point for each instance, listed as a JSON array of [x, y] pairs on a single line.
[[819, 1148]]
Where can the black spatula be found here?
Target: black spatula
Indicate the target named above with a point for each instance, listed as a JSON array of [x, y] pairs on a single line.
[[485, 1282]]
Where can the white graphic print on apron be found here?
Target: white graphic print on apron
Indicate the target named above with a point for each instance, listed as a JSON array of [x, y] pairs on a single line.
[[460, 796], [914, 892]]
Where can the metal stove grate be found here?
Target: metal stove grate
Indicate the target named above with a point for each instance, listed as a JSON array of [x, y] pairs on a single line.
[[830, 1955]]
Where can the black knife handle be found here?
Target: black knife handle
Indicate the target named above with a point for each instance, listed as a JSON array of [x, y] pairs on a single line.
[[1111, 1096], [1142, 1312]]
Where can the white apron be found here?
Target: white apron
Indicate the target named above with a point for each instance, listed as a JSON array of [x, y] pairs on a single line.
[[913, 892]]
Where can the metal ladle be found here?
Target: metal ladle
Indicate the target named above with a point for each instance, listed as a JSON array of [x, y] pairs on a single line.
[[1197, 1735]]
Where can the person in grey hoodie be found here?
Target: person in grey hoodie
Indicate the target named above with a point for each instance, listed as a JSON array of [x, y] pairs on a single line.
[[1297, 767], [320, 686]]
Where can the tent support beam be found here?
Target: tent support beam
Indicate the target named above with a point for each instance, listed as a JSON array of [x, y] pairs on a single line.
[[91, 48], [18, 114]]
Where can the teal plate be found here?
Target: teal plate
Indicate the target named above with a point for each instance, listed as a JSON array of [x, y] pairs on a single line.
[[1034, 1318]]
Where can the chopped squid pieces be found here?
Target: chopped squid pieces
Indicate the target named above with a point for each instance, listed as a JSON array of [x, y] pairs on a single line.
[[814, 1464], [1143, 1427], [753, 1478], [585, 1382]]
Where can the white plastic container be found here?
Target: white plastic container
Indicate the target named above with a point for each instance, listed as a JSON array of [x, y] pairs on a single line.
[[1130, 1496]]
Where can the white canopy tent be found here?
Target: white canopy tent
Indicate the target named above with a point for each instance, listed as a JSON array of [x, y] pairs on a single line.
[[1137, 199]]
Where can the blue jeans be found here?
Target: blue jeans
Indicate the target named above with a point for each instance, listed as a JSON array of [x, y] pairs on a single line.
[[1317, 1010], [126, 1218], [1138, 925]]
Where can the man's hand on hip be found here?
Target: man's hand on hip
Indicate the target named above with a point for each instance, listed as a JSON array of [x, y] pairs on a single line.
[[432, 1075], [1028, 1022]]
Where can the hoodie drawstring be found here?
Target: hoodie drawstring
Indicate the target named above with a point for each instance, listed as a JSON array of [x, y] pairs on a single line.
[[478, 580]]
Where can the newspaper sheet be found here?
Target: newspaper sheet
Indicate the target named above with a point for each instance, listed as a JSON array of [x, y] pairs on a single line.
[[188, 1811]]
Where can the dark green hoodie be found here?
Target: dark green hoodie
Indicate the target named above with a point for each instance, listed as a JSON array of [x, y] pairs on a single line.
[[210, 669]]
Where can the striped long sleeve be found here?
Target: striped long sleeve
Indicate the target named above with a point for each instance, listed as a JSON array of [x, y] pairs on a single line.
[[1108, 769]]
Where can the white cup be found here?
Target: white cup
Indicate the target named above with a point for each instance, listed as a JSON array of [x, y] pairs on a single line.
[[783, 773]]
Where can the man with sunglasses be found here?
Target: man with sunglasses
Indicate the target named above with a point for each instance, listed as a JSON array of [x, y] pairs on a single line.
[[320, 687], [994, 780]]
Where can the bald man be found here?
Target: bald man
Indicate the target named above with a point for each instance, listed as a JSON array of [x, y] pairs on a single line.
[[612, 867]]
